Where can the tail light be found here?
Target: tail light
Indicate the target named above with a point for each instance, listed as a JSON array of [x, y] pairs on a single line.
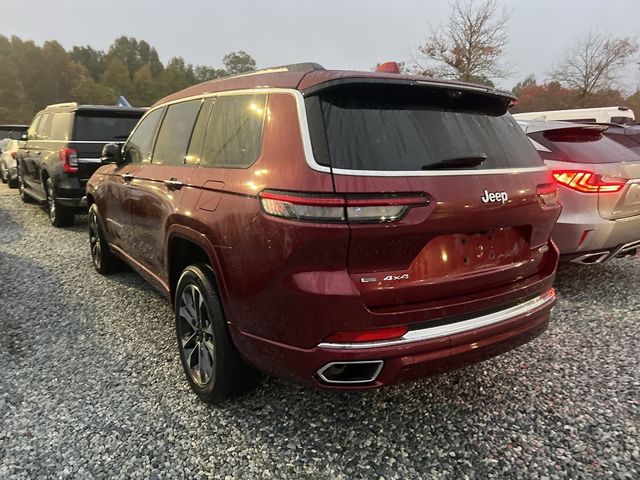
[[69, 160], [378, 334], [548, 195], [588, 182], [13, 154], [333, 208]]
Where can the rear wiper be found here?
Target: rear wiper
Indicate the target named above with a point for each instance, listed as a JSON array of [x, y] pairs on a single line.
[[468, 161], [120, 137]]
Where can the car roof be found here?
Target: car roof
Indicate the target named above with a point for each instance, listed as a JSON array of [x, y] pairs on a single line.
[[74, 107], [311, 77]]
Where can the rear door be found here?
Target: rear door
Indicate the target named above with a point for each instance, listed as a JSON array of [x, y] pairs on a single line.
[[157, 188], [37, 152], [483, 225]]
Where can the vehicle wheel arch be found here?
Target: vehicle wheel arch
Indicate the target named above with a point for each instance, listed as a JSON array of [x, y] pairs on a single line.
[[185, 247]]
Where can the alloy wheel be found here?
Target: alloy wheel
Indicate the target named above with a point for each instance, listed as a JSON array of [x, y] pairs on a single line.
[[51, 203], [94, 240], [196, 335]]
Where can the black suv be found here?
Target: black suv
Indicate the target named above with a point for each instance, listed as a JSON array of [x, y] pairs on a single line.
[[62, 149]]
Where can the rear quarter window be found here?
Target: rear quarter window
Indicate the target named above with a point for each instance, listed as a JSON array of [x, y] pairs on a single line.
[[61, 126], [407, 130]]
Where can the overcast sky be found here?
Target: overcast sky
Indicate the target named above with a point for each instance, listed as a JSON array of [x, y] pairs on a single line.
[[350, 34]]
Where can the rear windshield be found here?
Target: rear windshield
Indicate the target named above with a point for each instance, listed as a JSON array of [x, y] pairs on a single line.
[[584, 146], [416, 128], [632, 142], [104, 127]]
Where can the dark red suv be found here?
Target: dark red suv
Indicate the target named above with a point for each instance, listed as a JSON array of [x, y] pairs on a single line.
[[343, 229]]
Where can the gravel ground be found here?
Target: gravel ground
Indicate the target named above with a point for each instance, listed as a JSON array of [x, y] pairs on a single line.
[[92, 387]]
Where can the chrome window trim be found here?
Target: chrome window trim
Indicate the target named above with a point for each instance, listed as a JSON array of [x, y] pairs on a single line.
[[435, 173], [308, 149], [429, 333]]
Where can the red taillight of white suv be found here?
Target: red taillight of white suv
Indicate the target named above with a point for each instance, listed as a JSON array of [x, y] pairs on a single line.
[[588, 182]]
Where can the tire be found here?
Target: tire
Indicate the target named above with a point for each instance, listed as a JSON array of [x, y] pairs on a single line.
[[25, 197], [14, 183], [213, 366], [104, 261], [4, 173], [59, 216]]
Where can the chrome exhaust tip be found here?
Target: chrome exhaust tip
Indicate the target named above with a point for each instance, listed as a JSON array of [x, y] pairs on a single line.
[[592, 258], [350, 373], [628, 249]]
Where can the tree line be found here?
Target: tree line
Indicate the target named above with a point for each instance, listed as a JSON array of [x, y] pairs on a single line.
[[34, 76], [470, 47]]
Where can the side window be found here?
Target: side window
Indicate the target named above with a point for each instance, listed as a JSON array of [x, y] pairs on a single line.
[[234, 134], [194, 153], [33, 128], [44, 127], [175, 133], [61, 126], [138, 148]]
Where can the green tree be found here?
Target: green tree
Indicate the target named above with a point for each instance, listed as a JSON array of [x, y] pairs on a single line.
[[14, 107], [238, 62], [116, 77], [145, 88], [176, 76], [203, 73], [93, 60]]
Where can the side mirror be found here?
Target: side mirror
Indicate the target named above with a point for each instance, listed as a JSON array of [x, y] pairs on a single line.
[[13, 135], [112, 153]]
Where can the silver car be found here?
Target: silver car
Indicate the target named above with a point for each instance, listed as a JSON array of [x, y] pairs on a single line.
[[8, 165], [599, 183]]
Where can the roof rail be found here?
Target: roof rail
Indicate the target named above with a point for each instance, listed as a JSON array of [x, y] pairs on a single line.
[[68, 104], [297, 67], [292, 67]]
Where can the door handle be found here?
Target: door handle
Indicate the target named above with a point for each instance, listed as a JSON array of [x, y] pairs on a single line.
[[127, 177], [173, 184]]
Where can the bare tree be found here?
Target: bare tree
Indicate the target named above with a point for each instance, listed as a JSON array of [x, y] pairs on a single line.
[[592, 64], [470, 47]]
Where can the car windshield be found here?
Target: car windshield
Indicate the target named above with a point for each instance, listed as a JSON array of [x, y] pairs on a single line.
[[104, 127], [416, 129]]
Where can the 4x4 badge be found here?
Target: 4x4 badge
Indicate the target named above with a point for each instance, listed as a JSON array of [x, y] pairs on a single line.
[[494, 197]]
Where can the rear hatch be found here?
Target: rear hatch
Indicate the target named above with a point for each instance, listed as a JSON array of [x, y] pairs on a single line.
[[607, 168], [482, 223], [92, 130]]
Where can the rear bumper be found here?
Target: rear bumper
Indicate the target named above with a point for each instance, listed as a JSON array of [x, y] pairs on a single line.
[[424, 352], [604, 239], [71, 197]]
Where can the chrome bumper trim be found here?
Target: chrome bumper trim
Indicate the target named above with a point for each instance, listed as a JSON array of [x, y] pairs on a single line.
[[430, 333]]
